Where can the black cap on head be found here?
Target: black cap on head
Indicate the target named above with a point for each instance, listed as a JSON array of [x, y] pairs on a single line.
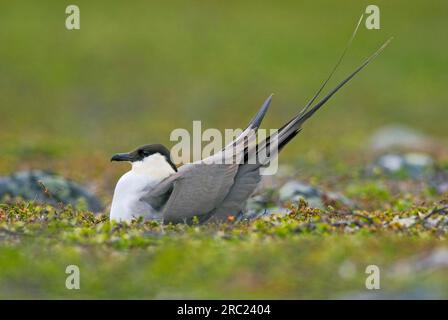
[[143, 152]]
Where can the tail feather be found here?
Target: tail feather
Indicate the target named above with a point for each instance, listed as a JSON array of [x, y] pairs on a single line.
[[256, 121], [338, 63], [295, 124], [280, 139], [341, 58]]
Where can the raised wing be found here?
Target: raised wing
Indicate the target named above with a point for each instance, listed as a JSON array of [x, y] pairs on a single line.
[[230, 153]]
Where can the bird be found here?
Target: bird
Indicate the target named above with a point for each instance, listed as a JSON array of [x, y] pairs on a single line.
[[206, 190]]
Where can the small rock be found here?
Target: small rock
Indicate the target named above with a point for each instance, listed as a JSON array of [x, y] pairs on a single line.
[[295, 188], [443, 187], [47, 187], [315, 202], [418, 164], [432, 222], [404, 222], [294, 191], [418, 160], [390, 162], [276, 210], [337, 197], [439, 181], [415, 165]]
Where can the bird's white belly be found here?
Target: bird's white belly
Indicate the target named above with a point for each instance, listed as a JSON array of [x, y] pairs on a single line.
[[127, 203]]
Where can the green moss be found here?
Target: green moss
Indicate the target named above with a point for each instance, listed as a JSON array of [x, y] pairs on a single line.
[[292, 256]]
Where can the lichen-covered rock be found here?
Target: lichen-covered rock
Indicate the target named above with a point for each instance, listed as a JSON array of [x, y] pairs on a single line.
[[336, 197], [277, 210], [258, 205], [294, 190], [442, 187], [418, 164], [46, 187], [390, 162], [439, 180]]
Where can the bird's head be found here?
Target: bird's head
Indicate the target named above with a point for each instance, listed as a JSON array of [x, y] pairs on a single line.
[[151, 154]]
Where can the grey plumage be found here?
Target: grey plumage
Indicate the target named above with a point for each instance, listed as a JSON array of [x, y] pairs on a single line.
[[218, 186], [213, 192], [197, 190]]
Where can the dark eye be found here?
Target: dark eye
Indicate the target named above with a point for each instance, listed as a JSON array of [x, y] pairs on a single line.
[[143, 153]]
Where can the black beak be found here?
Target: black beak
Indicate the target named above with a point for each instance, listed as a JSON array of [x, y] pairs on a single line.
[[121, 157]]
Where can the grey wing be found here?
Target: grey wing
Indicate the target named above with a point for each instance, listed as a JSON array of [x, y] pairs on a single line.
[[199, 189], [158, 197], [196, 190], [246, 181], [246, 176]]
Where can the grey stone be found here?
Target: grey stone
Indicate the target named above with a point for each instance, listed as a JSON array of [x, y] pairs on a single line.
[[315, 202], [294, 191], [443, 187], [276, 210], [439, 180], [337, 197], [295, 188], [404, 222], [46, 187], [416, 165], [391, 162]]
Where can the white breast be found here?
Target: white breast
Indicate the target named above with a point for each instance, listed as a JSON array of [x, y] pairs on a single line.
[[134, 185]]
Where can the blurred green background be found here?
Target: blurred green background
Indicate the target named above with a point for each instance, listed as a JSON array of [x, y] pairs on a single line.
[[134, 72]]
